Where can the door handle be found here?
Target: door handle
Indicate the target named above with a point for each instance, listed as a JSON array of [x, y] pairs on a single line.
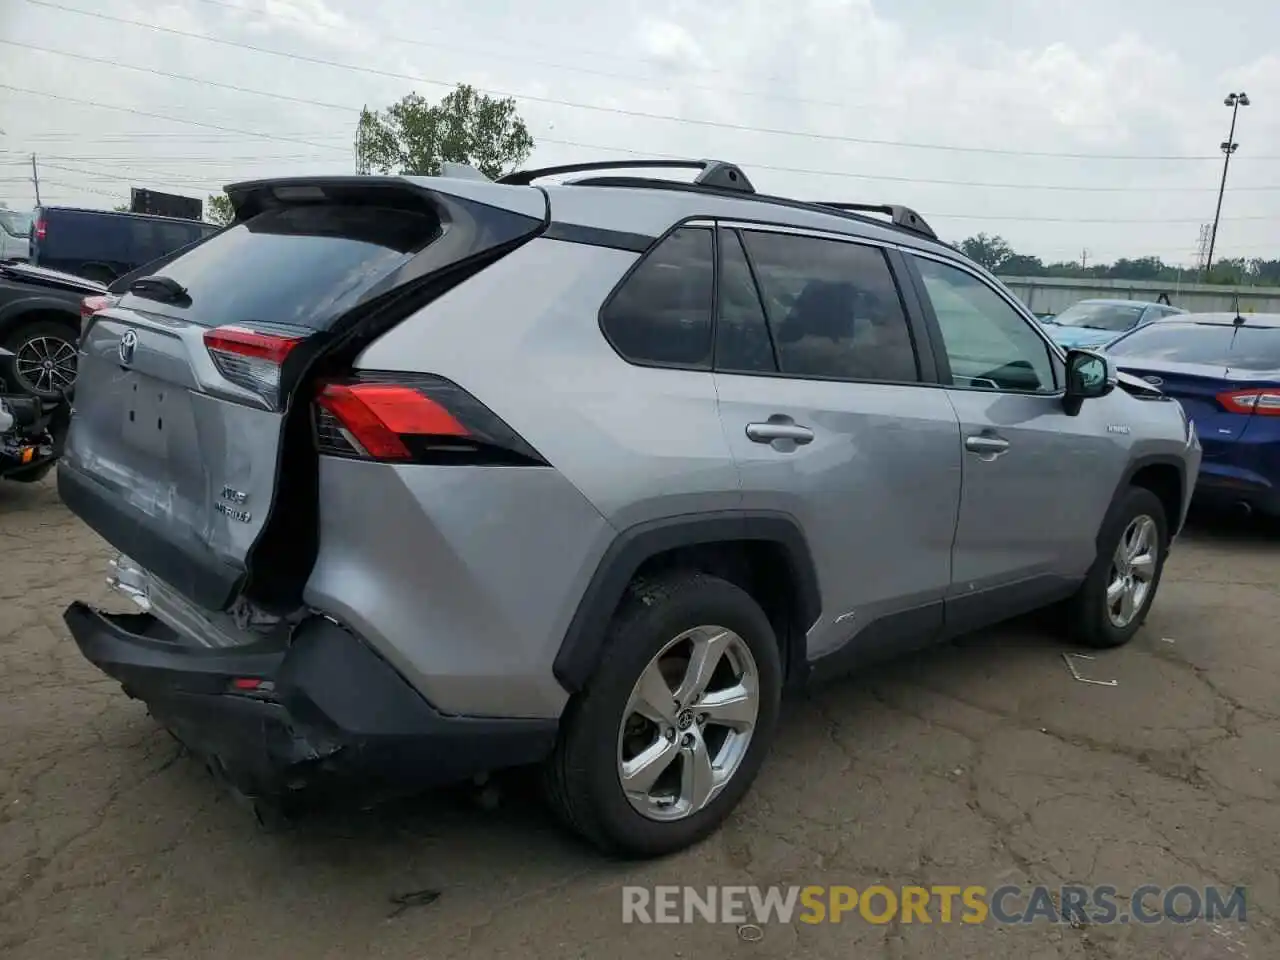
[[985, 444], [771, 431]]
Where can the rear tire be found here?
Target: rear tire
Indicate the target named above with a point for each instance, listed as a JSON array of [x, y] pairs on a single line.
[[606, 732], [1137, 522]]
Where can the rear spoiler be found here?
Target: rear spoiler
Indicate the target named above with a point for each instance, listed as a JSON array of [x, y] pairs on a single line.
[[252, 197]]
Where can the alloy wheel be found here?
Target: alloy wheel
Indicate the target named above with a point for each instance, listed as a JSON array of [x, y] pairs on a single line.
[[688, 723], [1133, 571], [46, 365]]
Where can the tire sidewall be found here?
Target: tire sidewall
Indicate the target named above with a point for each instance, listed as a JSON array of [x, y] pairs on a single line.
[[24, 333], [705, 601], [1136, 502]]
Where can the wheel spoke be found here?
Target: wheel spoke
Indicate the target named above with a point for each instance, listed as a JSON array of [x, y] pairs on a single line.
[[640, 773], [697, 776], [1127, 605], [1115, 591], [703, 660], [1144, 566], [653, 697], [734, 708]]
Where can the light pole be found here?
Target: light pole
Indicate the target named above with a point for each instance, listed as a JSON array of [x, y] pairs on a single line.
[[1229, 146]]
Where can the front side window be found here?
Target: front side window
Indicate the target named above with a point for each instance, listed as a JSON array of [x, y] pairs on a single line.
[[662, 312], [833, 309], [743, 344], [988, 344]]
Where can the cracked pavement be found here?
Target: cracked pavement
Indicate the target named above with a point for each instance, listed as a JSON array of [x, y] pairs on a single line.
[[982, 762]]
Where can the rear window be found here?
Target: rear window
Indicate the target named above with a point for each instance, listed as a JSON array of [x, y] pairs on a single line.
[[15, 224], [301, 266], [1242, 348]]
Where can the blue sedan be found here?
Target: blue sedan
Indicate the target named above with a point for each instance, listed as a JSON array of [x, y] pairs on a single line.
[[1225, 371], [1093, 323]]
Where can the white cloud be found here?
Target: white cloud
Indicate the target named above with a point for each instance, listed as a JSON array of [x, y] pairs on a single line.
[[1090, 76]]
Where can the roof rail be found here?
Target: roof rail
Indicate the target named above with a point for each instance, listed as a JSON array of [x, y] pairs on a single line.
[[902, 216], [713, 173]]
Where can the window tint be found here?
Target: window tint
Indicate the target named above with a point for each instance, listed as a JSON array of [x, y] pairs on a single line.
[[742, 333], [833, 308], [303, 266], [662, 312], [988, 343], [1243, 348]]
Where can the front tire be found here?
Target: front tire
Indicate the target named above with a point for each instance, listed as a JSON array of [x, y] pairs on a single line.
[[675, 724], [1117, 594], [45, 357]]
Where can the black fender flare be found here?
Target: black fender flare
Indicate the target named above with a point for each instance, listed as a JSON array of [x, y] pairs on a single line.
[[1141, 463], [583, 643], [12, 314]]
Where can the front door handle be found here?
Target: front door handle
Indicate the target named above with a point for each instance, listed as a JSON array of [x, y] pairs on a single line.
[[986, 444], [774, 430]]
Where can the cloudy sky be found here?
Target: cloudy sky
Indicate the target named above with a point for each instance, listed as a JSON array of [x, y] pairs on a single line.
[[1063, 125]]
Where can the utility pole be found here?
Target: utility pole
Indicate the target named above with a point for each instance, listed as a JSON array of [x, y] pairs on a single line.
[[1202, 247], [35, 178], [1084, 259], [1229, 146]]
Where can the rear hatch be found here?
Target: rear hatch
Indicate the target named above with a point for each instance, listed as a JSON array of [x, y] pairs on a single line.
[[190, 448]]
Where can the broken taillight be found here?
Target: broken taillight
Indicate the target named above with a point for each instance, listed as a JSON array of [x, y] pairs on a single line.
[[250, 359]]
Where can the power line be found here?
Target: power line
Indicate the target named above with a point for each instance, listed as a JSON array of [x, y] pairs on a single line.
[[759, 166], [640, 114], [161, 116]]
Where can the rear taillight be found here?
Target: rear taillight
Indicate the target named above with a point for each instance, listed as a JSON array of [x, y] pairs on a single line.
[[250, 359], [91, 305], [41, 229], [412, 419], [1262, 403]]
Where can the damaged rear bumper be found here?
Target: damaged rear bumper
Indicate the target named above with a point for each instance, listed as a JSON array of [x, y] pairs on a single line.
[[325, 711]]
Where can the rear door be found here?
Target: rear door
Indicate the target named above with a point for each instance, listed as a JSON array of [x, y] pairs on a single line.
[[832, 420], [186, 384]]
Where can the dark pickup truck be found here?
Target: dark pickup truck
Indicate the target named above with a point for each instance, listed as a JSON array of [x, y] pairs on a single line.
[[40, 325]]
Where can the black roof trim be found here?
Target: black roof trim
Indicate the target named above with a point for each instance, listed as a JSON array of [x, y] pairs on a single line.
[[712, 173]]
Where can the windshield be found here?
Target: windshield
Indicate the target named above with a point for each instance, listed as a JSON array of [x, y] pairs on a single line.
[[1100, 316], [1240, 348], [14, 223]]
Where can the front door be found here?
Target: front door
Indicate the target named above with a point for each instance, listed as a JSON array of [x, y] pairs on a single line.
[[821, 397], [1037, 482]]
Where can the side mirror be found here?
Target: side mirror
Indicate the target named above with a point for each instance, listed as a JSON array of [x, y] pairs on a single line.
[[1089, 376]]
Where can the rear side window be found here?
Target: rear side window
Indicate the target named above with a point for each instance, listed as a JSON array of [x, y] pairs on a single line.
[[1241, 348], [833, 308], [662, 312], [301, 266]]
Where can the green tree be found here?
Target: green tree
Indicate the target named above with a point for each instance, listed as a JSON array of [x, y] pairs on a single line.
[[414, 137], [122, 208], [217, 209], [990, 252]]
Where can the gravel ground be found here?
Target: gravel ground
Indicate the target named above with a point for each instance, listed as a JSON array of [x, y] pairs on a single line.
[[982, 762]]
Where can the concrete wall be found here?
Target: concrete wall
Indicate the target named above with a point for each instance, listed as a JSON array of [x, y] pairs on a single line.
[[1053, 294]]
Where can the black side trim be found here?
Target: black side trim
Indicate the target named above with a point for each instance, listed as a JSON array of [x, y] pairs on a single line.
[[598, 237], [1152, 460], [986, 608], [885, 638], [188, 566], [584, 641]]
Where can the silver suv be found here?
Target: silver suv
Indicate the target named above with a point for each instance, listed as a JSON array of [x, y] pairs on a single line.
[[415, 479]]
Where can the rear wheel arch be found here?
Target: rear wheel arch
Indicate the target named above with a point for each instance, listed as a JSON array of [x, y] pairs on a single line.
[[764, 553]]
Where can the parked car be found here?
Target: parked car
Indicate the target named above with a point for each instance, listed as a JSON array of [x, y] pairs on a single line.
[[1093, 323], [584, 480], [103, 245], [40, 325], [15, 233], [1225, 371]]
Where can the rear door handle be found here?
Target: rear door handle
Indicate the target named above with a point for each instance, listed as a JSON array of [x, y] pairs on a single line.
[[769, 432], [986, 444]]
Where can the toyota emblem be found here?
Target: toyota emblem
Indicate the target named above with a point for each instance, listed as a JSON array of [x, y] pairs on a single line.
[[128, 344]]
